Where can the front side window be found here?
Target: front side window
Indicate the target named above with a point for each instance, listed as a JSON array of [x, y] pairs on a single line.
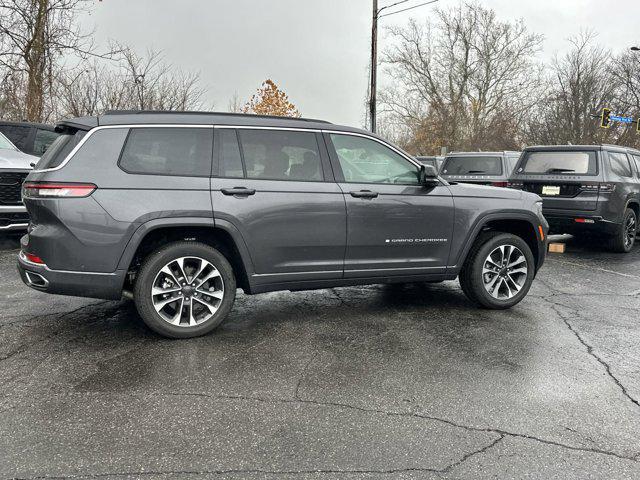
[[168, 151], [472, 165], [44, 139], [363, 160], [564, 163], [281, 155], [620, 164]]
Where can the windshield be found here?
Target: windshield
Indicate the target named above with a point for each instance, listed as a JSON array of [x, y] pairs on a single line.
[[569, 163], [472, 165], [6, 144]]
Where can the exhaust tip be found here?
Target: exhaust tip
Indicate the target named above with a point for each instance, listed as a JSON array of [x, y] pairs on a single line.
[[36, 280]]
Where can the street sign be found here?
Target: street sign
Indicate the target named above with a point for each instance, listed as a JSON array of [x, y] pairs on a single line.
[[621, 119]]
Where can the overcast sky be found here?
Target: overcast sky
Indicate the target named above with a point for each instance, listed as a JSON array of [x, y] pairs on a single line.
[[317, 51]]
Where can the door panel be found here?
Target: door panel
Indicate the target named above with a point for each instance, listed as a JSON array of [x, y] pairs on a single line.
[[404, 229], [289, 227]]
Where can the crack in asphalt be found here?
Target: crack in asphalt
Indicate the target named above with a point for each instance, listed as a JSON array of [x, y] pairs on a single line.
[[363, 471], [555, 306]]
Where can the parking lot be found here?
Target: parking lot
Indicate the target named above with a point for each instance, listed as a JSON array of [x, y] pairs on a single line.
[[406, 381]]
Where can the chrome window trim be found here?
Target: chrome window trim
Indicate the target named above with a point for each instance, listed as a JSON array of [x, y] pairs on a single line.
[[237, 127], [110, 127]]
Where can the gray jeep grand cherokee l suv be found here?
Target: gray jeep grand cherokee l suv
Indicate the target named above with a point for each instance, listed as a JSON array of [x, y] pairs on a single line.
[[589, 189], [179, 209]]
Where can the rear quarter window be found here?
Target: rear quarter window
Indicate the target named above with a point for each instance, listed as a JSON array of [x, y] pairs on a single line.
[[563, 163], [619, 163], [472, 165], [171, 151], [60, 149]]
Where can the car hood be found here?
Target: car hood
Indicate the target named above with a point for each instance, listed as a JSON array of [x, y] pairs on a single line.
[[13, 159], [484, 191]]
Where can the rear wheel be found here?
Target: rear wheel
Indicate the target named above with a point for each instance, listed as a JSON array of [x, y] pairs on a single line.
[[184, 289], [498, 271], [625, 237]]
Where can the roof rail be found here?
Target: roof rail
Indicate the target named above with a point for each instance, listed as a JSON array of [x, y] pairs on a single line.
[[190, 112]]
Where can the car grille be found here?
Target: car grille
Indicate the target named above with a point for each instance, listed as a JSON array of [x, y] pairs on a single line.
[[566, 189], [7, 219], [10, 187]]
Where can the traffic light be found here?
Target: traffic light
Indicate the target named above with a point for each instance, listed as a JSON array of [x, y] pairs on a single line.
[[605, 120], [638, 125]]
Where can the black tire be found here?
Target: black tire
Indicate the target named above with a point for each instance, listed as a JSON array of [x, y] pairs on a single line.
[[623, 240], [471, 277], [151, 268]]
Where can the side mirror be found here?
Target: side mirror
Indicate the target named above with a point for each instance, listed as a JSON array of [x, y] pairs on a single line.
[[428, 175]]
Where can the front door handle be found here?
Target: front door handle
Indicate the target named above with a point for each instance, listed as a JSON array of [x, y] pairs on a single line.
[[364, 194], [238, 191]]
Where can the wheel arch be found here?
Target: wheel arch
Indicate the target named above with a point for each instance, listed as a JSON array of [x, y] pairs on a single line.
[[523, 224], [155, 233]]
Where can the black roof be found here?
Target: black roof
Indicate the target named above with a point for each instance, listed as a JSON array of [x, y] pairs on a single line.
[[134, 117]]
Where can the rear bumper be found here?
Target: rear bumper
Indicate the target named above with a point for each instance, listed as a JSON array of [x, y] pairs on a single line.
[[578, 221], [106, 286]]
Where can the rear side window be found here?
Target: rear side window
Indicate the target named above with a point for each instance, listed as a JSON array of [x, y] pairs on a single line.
[[281, 155], [570, 163], [472, 165], [18, 134], [44, 139], [173, 151], [619, 163], [60, 149]]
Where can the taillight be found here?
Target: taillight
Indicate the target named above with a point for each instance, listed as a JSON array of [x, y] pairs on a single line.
[[33, 258], [57, 190], [607, 187], [500, 184], [590, 187], [517, 185]]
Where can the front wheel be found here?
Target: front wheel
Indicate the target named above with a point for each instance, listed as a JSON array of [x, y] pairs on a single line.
[[184, 289], [498, 271]]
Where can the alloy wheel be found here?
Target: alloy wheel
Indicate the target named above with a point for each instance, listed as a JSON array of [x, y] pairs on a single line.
[[187, 291], [504, 272], [629, 231]]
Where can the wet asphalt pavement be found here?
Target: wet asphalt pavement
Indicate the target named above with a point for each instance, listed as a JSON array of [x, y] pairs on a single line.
[[386, 382]]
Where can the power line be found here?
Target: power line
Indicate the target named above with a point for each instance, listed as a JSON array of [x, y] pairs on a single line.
[[408, 8], [392, 5]]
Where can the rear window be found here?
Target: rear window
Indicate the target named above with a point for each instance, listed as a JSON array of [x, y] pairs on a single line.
[[60, 149], [18, 134], [471, 165], [569, 163], [173, 151]]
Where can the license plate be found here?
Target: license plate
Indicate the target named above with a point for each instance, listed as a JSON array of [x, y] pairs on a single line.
[[550, 190]]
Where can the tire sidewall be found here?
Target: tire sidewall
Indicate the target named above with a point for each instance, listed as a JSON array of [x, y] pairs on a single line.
[[623, 230], [477, 281], [157, 261]]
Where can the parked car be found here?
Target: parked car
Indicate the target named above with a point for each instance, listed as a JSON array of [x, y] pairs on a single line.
[[435, 162], [31, 138], [592, 189], [14, 168], [176, 210], [483, 168]]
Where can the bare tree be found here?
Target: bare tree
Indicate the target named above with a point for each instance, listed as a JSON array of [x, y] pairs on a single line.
[[465, 81], [34, 36], [134, 83], [235, 105], [580, 85]]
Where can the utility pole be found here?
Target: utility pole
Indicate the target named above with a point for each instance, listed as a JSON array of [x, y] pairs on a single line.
[[374, 51], [374, 66]]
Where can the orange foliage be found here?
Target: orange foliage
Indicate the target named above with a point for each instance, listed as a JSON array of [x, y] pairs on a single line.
[[270, 100]]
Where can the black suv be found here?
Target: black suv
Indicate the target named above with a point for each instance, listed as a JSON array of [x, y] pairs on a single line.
[[179, 209], [482, 168], [592, 189], [31, 138]]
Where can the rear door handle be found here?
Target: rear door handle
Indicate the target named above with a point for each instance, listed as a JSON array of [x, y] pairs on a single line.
[[238, 191], [364, 194]]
